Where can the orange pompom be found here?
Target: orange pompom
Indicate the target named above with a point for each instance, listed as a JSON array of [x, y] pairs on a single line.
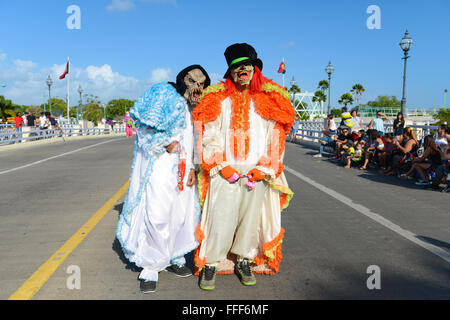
[[228, 172], [256, 175]]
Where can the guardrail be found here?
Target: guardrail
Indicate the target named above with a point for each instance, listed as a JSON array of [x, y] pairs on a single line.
[[12, 136], [313, 129]]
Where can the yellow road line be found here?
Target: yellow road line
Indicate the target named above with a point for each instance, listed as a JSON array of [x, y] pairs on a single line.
[[34, 283]]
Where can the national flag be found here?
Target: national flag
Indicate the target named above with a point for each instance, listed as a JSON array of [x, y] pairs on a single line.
[[66, 71], [282, 68]]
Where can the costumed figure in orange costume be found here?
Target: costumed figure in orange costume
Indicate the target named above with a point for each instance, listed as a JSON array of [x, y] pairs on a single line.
[[242, 125]]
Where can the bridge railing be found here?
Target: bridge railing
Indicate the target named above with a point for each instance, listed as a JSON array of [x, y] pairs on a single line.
[[312, 130], [9, 135]]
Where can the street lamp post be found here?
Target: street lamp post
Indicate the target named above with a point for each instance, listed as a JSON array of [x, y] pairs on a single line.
[[80, 91], [49, 84], [406, 45], [445, 98], [329, 69], [293, 83]]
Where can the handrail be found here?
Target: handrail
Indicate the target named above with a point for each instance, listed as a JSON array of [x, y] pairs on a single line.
[[313, 129], [12, 136]]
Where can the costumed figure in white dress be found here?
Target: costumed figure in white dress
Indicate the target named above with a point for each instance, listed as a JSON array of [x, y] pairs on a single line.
[[242, 125], [156, 227]]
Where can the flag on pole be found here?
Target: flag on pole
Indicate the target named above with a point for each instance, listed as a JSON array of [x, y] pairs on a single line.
[[66, 71], [282, 68]]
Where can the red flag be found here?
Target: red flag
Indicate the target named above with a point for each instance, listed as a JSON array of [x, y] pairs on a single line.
[[282, 68], [66, 71]]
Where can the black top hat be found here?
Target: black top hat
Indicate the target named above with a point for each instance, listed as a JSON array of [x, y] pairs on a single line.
[[239, 54]]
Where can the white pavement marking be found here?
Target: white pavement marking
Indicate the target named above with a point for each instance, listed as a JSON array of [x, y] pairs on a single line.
[[374, 216], [54, 157]]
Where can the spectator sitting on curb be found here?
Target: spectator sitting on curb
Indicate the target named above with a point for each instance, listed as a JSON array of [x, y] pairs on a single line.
[[354, 154], [441, 140], [342, 143], [329, 135], [357, 122], [346, 119], [431, 158], [375, 146], [388, 148], [443, 170]]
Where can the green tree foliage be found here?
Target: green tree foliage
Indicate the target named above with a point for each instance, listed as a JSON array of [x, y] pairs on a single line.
[[115, 109], [386, 102], [336, 113], [59, 107], [443, 115], [357, 91], [346, 99], [319, 96], [323, 85], [92, 109], [6, 108]]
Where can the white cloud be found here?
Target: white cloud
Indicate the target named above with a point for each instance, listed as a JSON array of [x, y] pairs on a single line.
[[120, 5], [26, 82], [161, 75], [173, 2], [126, 5], [23, 65], [3, 56]]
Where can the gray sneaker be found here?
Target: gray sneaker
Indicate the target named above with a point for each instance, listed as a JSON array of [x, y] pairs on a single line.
[[147, 286], [181, 271], [208, 279], [244, 273]]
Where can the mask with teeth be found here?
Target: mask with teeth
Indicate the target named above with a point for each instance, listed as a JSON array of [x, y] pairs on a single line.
[[242, 74], [194, 81]]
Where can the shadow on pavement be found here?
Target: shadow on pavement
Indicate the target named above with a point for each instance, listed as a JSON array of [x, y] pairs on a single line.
[[435, 242], [117, 247]]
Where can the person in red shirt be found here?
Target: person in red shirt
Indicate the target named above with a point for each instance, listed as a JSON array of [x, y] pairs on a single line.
[[19, 123]]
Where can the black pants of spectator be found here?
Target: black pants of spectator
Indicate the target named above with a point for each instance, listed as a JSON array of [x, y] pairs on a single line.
[[441, 172]]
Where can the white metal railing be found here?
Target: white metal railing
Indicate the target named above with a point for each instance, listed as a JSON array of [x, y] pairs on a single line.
[[313, 129], [11, 136]]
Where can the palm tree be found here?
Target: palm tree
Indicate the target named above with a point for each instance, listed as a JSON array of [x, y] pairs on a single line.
[[323, 85], [293, 90], [346, 99], [357, 91], [319, 96]]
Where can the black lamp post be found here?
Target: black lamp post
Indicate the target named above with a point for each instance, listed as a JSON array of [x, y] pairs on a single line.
[[406, 45], [329, 69]]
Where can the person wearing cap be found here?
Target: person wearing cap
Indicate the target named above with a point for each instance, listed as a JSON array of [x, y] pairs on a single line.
[[242, 125], [156, 227]]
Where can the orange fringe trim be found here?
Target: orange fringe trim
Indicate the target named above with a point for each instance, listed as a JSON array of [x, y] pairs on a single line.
[[272, 106], [240, 124], [275, 247], [199, 263]]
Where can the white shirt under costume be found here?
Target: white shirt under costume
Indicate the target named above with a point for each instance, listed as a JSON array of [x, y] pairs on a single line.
[[157, 226]]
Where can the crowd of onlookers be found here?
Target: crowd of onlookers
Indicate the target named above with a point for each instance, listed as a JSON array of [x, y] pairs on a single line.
[[43, 127], [399, 153]]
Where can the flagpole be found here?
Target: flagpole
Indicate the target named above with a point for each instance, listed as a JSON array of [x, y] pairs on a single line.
[[68, 90], [283, 74]]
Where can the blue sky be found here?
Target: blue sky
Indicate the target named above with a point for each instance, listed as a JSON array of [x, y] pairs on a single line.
[[124, 46]]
